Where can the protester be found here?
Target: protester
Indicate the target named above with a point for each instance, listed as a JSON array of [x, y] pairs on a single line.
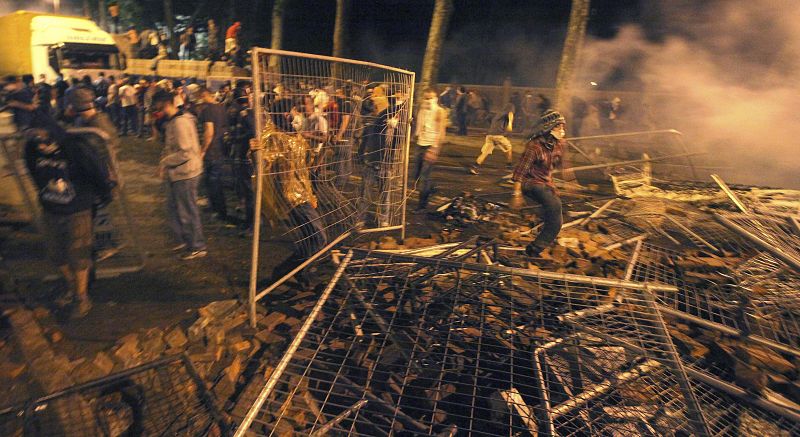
[[430, 133], [213, 41], [21, 96], [579, 110], [213, 120], [242, 131], [532, 177], [44, 92], [232, 39], [461, 110], [128, 106], [496, 137], [70, 177], [181, 166]]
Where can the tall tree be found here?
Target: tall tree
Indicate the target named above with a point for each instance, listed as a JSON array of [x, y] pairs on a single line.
[[277, 25], [276, 39], [169, 19], [576, 33], [342, 7], [101, 12], [442, 11]]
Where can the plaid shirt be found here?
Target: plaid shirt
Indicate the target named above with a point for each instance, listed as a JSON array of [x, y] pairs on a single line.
[[538, 161]]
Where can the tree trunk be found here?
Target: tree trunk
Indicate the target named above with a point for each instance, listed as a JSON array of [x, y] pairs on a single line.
[[101, 13], [169, 19], [277, 25], [576, 33], [276, 39], [342, 8], [433, 51]]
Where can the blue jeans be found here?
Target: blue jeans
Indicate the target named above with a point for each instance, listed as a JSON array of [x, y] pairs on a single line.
[[213, 180], [422, 175], [183, 214], [551, 213]]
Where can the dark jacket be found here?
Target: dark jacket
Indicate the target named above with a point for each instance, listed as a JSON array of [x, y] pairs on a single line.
[[70, 175]]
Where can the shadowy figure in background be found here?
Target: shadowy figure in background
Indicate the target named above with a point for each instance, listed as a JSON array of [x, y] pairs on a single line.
[[579, 110]]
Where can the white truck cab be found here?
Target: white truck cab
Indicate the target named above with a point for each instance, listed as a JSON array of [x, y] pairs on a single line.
[[38, 43]]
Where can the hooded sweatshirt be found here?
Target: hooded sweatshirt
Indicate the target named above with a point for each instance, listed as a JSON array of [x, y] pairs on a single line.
[[181, 156]]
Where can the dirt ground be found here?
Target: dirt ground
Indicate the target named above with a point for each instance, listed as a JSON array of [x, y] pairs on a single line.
[[168, 290]]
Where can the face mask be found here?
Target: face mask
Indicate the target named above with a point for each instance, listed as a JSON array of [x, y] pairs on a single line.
[[558, 133]]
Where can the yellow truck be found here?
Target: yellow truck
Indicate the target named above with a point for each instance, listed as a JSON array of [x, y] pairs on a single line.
[[39, 43]]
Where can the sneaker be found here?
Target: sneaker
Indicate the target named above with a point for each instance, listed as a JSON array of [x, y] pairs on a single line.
[[532, 251], [81, 310], [473, 170], [195, 254], [65, 300], [179, 247]]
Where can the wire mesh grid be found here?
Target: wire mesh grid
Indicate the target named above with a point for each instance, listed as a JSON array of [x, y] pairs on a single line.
[[336, 137], [724, 292], [771, 234], [409, 345], [161, 398]]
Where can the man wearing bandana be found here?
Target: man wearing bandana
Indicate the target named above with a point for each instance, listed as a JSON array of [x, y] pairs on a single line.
[[532, 177]]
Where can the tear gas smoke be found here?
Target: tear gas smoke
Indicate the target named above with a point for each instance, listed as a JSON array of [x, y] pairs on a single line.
[[730, 71]]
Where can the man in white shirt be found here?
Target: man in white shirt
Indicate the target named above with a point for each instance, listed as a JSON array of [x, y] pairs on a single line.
[[430, 133], [127, 100]]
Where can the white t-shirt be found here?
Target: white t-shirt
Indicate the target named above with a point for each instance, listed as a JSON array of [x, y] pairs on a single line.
[[127, 96]]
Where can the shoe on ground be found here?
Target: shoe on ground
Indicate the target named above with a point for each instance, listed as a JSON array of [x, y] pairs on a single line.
[[473, 170], [65, 300], [532, 251], [195, 254], [179, 247], [81, 310]]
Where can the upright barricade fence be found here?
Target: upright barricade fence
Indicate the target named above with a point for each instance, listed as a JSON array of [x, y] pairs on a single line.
[[332, 141]]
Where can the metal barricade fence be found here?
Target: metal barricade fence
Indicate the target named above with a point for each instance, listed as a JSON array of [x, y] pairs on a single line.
[[115, 247], [165, 397], [333, 149]]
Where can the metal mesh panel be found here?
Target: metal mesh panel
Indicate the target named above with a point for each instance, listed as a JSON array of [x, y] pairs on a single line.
[[410, 345], [335, 137], [161, 398], [762, 307], [770, 234]]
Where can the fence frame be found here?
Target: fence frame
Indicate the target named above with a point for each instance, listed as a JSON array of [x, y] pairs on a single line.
[[253, 295]]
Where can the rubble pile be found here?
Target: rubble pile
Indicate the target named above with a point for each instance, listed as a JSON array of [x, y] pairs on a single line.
[[445, 345], [651, 316]]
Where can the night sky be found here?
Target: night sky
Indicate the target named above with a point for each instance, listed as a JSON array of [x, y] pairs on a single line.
[[487, 41]]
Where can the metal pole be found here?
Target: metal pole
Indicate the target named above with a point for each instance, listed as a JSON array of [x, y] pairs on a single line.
[[301, 335], [523, 273], [259, 155], [731, 195], [406, 158], [779, 253], [635, 161], [598, 212]]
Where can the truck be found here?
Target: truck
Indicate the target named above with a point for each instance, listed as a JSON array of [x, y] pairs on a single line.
[[50, 44]]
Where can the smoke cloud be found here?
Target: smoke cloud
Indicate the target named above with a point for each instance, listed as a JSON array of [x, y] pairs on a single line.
[[730, 74]]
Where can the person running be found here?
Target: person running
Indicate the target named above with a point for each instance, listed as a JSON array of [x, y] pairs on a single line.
[[495, 137]]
